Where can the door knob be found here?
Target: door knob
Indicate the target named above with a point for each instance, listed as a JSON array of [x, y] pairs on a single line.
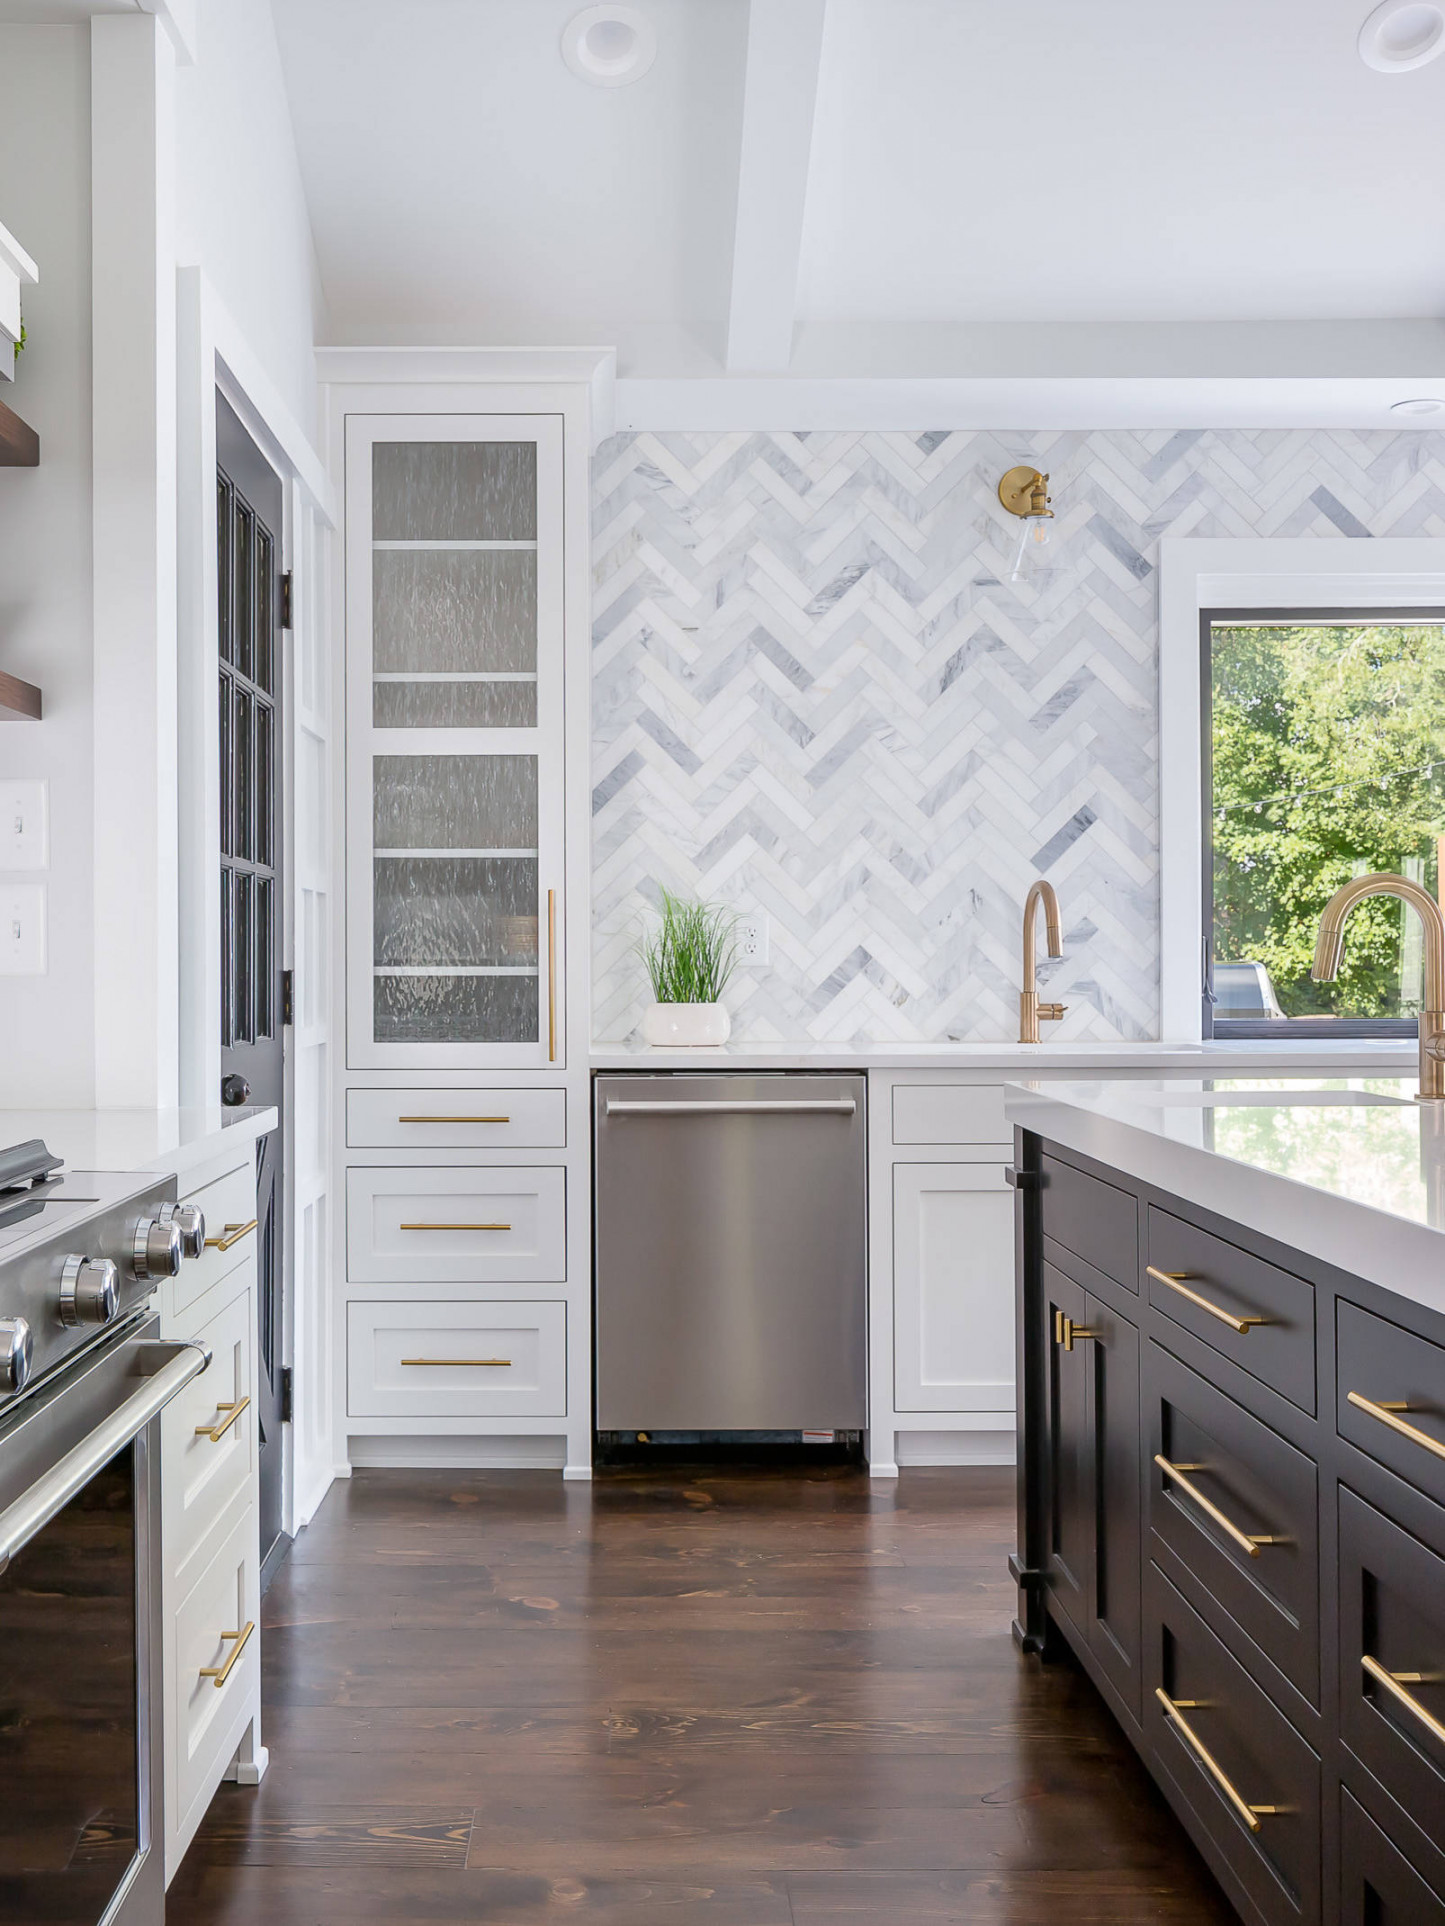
[[235, 1090]]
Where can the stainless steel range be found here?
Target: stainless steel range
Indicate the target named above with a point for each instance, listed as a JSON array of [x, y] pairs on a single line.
[[83, 1379]]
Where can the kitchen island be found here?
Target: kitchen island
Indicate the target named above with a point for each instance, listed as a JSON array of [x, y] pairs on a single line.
[[1231, 1429]]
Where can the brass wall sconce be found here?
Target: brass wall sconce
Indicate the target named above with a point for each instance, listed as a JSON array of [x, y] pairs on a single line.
[[1025, 492]]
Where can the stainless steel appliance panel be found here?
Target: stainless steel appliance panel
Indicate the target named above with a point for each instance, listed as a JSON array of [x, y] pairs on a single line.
[[731, 1219]]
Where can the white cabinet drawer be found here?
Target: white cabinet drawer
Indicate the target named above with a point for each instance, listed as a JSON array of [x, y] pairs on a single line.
[[456, 1119], [456, 1360], [208, 1431], [229, 1205], [949, 1113], [457, 1226], [225, 1598], [953, 1288]]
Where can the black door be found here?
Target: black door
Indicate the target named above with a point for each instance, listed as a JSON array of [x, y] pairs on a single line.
[[248, 507]]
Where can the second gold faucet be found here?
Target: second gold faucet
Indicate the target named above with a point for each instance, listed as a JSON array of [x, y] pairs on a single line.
[[1031, 1011]]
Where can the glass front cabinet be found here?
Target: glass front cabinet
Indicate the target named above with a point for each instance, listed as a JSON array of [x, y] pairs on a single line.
[[455, 763]]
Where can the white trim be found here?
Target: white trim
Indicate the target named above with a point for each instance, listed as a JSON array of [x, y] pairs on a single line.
[[594, 369], [14, 257], [1330, 572], [178, 17]]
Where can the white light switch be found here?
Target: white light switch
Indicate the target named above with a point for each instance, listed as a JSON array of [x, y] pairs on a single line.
[[22, 929], [24, 828]]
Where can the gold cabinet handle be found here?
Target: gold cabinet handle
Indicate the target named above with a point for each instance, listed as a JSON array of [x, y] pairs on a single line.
[[1248, 1542], [220, 1673], [1395, 1683], [1249, 1815], [551, 976], [1175, 1281], [1067, 1333], [453, 1120], [233, 1235], [215, 1432], [501, 1363], [425, 1227], [1386, 1413]]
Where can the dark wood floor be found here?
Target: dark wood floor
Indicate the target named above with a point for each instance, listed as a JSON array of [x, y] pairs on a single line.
[[723, 1700]]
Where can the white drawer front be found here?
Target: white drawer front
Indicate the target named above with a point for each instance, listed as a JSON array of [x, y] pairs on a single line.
[[203, 1469], [456, 1119], [456, 1360], [464, 1226], [949, 1113], [224, 1599], [229, 1205]]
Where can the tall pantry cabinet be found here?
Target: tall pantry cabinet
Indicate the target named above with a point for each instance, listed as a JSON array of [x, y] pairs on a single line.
[[464, 1304]]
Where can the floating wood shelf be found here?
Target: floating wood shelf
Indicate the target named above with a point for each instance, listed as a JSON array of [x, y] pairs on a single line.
[[19, 701], [19, 443]]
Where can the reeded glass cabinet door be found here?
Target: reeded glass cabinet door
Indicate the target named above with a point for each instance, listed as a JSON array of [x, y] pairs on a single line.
[[454, 717]]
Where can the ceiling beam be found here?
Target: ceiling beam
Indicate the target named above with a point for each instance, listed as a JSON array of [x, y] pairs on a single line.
[[785, 41]]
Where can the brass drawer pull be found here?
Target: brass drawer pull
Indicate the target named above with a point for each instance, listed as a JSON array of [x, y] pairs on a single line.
[[453, 1120], [220, 1673], [1250, 1815], [452, 1227], [233, 1235], [1067, 1333], [1386, 1414], [215, 1432], [1395, 1682], [1175, 1281], [501, 1363], [1249, 1542]]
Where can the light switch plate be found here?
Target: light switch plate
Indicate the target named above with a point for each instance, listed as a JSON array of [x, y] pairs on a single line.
[[24, 825], [22, 929]]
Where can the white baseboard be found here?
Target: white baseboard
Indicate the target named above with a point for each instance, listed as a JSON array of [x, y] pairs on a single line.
[[457, 1453], [957, 1448]]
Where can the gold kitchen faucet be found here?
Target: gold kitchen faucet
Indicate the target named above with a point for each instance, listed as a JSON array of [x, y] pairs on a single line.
[[1330, 949], [1030, 1009]]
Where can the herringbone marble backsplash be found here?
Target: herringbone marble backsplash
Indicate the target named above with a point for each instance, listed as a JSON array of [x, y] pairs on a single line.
[[815, 694]]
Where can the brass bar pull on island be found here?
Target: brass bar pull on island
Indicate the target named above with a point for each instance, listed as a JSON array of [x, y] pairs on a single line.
[[215, 1432], [1395, 1682], [232, 1235], [454, 1227], [220, 1673], [1248, 1542], [1249, 1815], [502, 1364], [1176, 1282], [453, 1120], [1388, 1414]]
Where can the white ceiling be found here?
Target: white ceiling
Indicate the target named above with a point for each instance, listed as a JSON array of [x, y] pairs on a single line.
[[1119, 163]]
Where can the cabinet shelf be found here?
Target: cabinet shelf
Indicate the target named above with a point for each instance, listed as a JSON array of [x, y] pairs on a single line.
[[19, 701], [19, 443]]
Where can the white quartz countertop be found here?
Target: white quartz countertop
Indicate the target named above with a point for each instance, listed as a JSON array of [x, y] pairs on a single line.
[[125, 1140], [1305, 1058], [1350, 1170]]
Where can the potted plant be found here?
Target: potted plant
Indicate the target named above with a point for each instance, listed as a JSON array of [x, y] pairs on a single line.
[[690, 955]]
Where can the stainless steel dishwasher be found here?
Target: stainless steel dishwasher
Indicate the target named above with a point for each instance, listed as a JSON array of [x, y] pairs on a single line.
[[731, 1217]]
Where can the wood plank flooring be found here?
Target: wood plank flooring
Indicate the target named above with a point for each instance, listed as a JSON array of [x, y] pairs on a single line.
[[741, 1699]]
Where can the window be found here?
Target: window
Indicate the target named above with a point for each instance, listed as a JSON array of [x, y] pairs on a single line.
[[1323, 758]]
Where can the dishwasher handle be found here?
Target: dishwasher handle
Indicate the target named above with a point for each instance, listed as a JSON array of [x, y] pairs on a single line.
[[735, 1107]]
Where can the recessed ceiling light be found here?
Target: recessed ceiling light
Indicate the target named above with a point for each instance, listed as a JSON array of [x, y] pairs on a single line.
[[1402, 35], [609, 46], [1419, 405]]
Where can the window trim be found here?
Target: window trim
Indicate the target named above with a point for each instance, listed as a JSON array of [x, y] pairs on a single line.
[[1399, 574]]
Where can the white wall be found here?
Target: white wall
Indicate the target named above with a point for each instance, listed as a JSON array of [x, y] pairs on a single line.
[[46, 1023]]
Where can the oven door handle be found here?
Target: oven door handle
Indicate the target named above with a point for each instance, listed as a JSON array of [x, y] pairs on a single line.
[[175, 1365]]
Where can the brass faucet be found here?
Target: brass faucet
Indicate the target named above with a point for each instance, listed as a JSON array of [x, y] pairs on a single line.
[[1030, 1009], [1330, 947]]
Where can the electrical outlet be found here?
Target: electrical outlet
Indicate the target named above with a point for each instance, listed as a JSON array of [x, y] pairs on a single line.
[[22, 929], [24, 832], [754, 940]]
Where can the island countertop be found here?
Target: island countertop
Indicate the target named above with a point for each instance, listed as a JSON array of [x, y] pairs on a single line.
[[1349, 1170], [173, 1141]]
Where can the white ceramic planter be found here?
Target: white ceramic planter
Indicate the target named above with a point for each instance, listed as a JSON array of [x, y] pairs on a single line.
[[685, 1026]]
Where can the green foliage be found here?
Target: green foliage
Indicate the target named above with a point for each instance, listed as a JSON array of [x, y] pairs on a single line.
[[692, 952], [1323, 742]]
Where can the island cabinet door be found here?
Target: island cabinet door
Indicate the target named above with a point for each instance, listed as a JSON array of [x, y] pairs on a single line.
[[1378, 1885], [1069, 1563], [1114, 1602]]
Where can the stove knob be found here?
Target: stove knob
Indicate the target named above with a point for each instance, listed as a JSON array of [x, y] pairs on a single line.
[[17, 1348], [89, 1290], [189, 1220], [157, 1249]]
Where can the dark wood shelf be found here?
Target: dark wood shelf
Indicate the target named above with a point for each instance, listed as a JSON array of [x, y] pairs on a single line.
[[19, 443], [19, 701]]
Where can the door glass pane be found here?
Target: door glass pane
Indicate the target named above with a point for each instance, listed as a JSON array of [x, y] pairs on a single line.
[[265, 772], [454, 491], [456, 1009], [454, 609], [441, 704], [244, 1017], [455, 802], [265, 973], [243, 795], [244, 537], [433, 910], [226, 610], [265, 612]]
